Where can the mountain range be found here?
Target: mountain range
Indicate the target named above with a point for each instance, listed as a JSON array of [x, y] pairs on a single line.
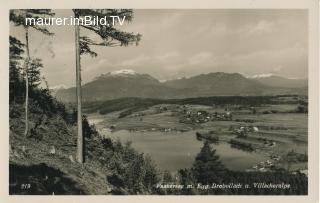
[[277, 81], [127, 83]]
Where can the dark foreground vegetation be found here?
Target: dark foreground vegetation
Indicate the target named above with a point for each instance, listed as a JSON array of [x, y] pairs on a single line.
[[45, 159], [44, 162], [208, 169], [40, 179]]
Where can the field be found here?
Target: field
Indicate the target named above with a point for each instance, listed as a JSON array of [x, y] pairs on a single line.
[[269, 135]]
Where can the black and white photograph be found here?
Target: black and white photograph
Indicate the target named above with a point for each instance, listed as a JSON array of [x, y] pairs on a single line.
[[158, 102]]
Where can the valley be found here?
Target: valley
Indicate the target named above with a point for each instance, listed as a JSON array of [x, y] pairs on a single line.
[[268, 134]]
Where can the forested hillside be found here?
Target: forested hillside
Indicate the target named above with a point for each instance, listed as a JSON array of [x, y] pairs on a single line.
[[44, 162]]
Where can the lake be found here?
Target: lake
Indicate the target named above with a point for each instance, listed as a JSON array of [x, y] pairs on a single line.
[[173, 151]]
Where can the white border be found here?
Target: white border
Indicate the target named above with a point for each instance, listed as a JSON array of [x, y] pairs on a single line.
[[313, 139]]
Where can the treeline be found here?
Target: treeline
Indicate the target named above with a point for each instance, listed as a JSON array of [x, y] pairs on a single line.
[[208, 169], [40, 98], [119, 104], [131, 105]]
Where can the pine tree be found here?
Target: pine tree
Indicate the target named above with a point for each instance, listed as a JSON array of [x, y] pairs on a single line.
[[18, 17], [110, 37], [34, 74], [207, 167], [15, 80]]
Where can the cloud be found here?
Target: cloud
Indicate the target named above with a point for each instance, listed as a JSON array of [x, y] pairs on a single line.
[[261, 27], [94, 66], [171, 19], [199, 58], [219, 28], [168, 55], [187, 42], [143, 59], [135, 61]]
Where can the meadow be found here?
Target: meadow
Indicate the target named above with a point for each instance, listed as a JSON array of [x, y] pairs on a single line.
[[162, 131]]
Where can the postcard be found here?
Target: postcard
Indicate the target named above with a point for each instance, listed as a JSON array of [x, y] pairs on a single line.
[[207, 103]]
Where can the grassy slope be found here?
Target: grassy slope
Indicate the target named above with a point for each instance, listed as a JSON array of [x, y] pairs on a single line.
[[89, 178], [32, 163]]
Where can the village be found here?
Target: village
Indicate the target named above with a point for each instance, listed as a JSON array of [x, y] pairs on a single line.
[[241, 127]]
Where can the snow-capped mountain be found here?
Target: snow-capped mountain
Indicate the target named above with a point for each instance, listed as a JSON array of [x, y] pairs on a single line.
[[128, 83], [119, 73], [124, 72], [279, 81], [117, 84], [263, 75], [57, 88], [61, 86]]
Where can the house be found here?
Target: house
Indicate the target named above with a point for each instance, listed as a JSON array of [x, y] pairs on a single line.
[[304, 172]]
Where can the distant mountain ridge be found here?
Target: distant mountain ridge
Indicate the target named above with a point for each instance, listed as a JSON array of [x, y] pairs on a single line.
[[218, 83], [117, 85], [128, 83], [278, 81]]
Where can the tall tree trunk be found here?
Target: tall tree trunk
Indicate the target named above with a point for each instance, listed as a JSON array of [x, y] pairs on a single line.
[[27, 83], [78, 81]]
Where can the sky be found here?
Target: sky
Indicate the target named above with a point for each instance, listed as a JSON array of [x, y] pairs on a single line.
[[184, 43]]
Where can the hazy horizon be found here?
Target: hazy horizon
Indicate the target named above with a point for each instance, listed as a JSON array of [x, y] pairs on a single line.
[[184, 43]]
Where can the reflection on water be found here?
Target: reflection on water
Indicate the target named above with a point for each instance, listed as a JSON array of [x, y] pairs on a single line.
[[173, 151], [241, 148]]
